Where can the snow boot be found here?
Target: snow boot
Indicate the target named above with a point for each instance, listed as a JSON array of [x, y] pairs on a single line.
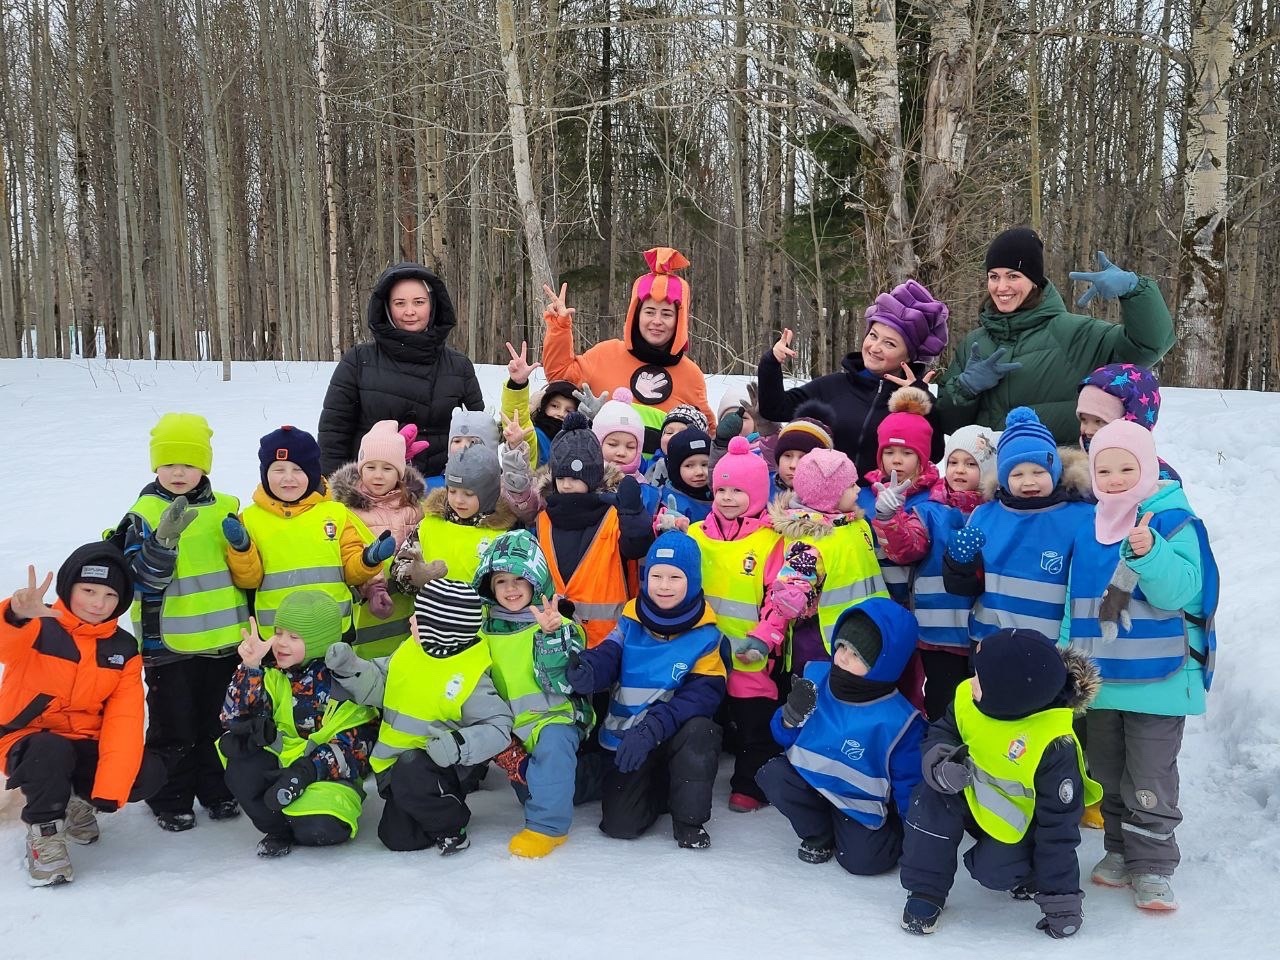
[[532, 844], [815, 851], [745, 803], [454, 844], [1110, 871], [175, 822], [272, 846], [48, 862], [1092, 816], [1151, 891], [920, 915], [691, 836], [224, 810], [82, 821]]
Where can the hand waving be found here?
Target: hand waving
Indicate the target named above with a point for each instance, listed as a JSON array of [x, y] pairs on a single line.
[[558, 305], [782, 351], [909, 378]]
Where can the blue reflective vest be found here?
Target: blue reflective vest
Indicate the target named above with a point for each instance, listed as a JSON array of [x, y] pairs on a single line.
[[943, 617], [695, 510], [843, 749]]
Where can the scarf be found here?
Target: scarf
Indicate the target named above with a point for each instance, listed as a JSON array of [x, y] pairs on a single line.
[[851, 688], [576, 511], [668, 623]]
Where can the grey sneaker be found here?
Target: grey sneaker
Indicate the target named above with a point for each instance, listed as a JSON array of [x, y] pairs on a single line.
[[47, 860], [82, 821], [1151, 891], [1110, 871]]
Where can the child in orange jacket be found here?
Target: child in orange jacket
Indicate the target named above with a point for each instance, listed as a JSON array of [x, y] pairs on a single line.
[[71, 707]]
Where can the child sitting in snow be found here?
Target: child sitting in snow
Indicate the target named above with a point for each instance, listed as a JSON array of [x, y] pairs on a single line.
[[1144, 591], [663, 664], [441, 718], [383, 490], [530, 645], [851, 744], [71, 696], [1004, 765], [296, 756]]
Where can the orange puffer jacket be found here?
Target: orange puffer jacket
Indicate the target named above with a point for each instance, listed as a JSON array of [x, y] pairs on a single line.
[[81, 681]]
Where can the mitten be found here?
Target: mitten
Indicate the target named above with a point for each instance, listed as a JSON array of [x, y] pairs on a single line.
[[247, 736], [749, 649], [588, 403], [514, 760], [175, 518], [889, 496], [1114, 610], [412, 445], [235, 533], [629, 499], [412, 572], [730, 425], [946, 768], [792, 598], [800, 702], [514, 462], [767, 632], [380, 550], [445, 751], [963, 544], [361, 679], [670, 517], [1063, 913], [379, 599], [981, 375], [1108, 281], [635, 747], [288, 787], [580, 674]]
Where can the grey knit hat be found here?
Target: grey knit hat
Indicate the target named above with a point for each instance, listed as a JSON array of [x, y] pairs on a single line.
[[575, 453], [476, 469], [449, 615], [474, 423]]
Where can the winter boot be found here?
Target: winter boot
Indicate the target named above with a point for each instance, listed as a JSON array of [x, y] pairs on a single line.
[[691, 836], [1092, 816], [275, 846], [815, 851], [224, 810], [1023, 892], [1110, 871], [82, 822], [920, 915], [532, 844], [48, 862], [455, 844], [1151, 891], [175, 822], [745, 803]]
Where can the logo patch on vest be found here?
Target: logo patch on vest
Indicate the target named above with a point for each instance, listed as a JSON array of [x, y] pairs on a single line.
[[1066, 791], [1051, 562], [749, 563], [453, 687], [852, 749], [679, 670], [1017, 747], [330, 530]]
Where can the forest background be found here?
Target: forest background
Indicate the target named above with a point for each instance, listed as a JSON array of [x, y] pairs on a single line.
[[224, 179]]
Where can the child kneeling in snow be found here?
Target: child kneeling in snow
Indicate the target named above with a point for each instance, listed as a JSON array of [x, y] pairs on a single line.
[[663, 662], [71, 707], [441, 717], [1003, 764], [852, 744], [296, 754]]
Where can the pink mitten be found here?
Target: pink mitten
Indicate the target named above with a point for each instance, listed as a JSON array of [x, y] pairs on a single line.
[[792, 598], [379, 599], [412, 445]]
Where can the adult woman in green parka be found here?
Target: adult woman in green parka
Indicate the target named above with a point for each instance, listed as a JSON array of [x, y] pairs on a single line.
[[1028, 350]]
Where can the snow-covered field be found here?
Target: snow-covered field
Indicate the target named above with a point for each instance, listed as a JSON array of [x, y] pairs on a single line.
[[76, 437]]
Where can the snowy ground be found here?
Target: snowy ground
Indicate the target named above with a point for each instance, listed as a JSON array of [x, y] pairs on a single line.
[[77, 437]]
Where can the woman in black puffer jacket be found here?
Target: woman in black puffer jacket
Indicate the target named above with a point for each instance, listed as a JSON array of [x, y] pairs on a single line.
[[405, 373]]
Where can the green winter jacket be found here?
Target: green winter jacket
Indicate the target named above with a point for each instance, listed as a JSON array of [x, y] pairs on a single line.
[[1057, 350]]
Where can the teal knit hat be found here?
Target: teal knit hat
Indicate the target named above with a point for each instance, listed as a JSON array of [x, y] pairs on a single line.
[[315, 617]]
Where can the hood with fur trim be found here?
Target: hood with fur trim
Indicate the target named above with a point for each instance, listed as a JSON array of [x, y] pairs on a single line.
[[1083, 681], [502, 519], [344, 486], [802, 522]]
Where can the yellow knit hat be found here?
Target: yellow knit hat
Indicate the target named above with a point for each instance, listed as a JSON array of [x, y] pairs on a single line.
[[182, 438]]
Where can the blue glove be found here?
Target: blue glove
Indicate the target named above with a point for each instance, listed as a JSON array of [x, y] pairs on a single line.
[[380, 550], [629, 499], [1109, 281], [579, 674], [981, 375], [744, 648], [963, 544], [233, 529], [637, 743]]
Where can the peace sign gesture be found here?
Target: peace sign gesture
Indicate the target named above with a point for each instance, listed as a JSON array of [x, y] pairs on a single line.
[[514, 432], [558, 305], [909, 377], [548, 617], [27, 603], [782, 351], [252, 647], [519, 368], [1141, 539]]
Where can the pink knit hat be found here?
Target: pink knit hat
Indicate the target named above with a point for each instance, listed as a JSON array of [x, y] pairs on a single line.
[[619, 416], [822, 477], [1098, 403], [385, 442], [746, 471], [906, 425]]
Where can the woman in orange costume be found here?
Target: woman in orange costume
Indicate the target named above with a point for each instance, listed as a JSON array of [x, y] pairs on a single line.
[[650, 358]]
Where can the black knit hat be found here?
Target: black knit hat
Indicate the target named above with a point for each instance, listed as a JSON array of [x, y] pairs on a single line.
[[1021, 249], [449, 614], [295, 445], [1020, 673], [575, 453], [100, 563], [859, 633]]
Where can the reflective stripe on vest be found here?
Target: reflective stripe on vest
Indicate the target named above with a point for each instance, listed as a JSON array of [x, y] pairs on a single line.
[[733, 583], [297, 551], [852, 573], [599, 588], [424, 698], [515, 677], [874, 786], [202, 610], [375, 637], [943, 617]]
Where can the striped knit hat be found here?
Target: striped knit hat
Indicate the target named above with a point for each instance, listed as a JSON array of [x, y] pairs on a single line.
[[809, 430], [449, 615]]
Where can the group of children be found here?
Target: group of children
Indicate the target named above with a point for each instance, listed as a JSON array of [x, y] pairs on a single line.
[[595, 621]]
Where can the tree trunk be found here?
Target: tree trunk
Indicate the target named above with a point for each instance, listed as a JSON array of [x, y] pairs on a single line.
[[321, 16]]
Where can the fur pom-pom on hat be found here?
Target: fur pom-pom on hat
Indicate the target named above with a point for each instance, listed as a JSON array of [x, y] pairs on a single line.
[[907, 424]]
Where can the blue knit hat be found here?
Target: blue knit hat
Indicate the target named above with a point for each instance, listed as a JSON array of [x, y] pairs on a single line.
[[1026, 440], [295, 445], [680, 551]]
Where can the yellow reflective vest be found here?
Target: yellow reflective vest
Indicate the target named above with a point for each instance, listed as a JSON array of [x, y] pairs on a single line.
[[460, 546], [516, 680], [374, 637], [733, 582], [852, 573]]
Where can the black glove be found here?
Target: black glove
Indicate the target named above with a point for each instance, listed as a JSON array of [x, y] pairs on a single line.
[[629, 499], [289, 785], [945, 769], [1063, 913], [730, 425], [800, 703]]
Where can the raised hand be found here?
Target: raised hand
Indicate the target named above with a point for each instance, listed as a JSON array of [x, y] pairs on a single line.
[[175, 518], [519, 368], [670, 518], [980, 375], [1107, 282], [889, 496], [27, 603], [381, 550], [252, 647], [559, 305], [782, 351], [1141, 539], [514, 432], [909, 377], [548, 615], [412, 445], [800, 703], [588, 403]]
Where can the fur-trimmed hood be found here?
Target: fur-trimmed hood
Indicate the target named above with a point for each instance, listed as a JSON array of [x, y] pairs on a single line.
[[1083, 680], [344, 486], [542, 480], [1076, 477], [801, 523], [502, 519]]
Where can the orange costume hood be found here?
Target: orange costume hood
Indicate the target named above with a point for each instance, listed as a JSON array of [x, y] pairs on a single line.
[[662, 285]]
